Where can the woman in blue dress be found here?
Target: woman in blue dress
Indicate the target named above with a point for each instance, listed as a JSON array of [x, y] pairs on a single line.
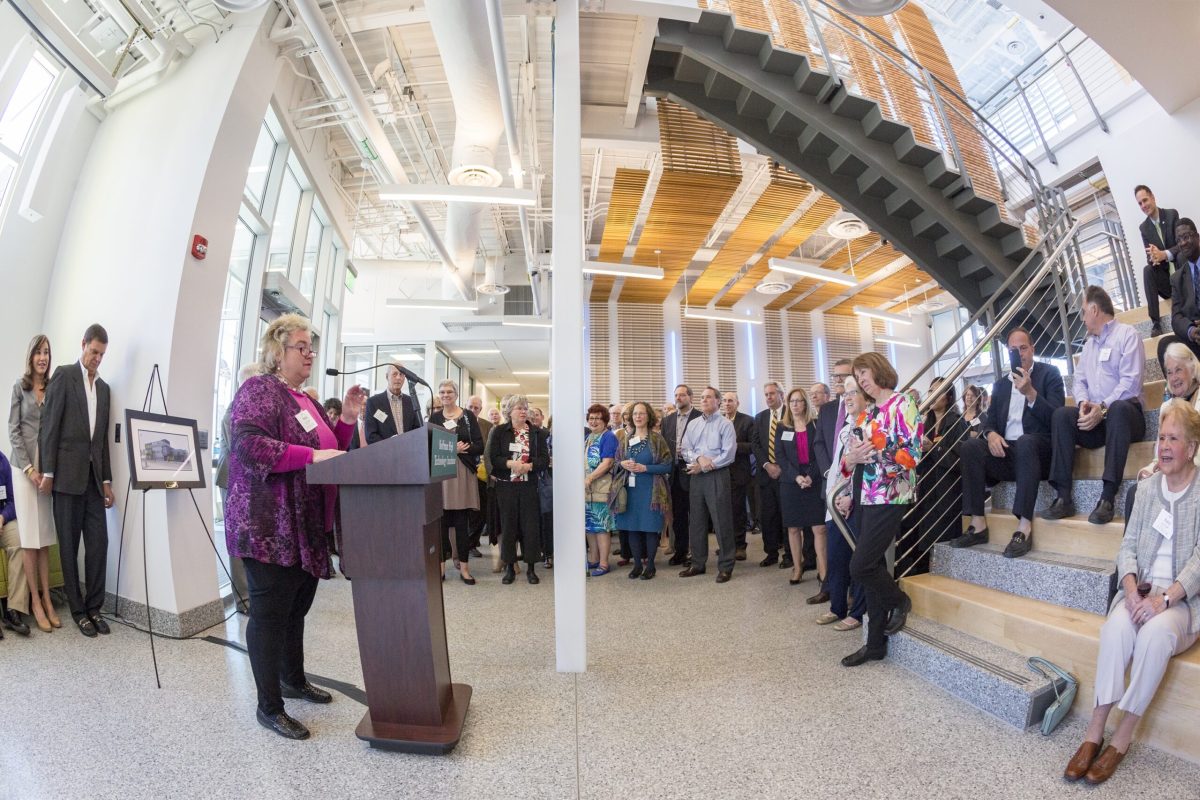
[[644, 462], [599, 451]]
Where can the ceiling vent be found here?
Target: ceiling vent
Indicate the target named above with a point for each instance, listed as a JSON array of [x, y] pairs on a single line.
[[872, 8], [848, 227], [772, 287], [492, 289], [478, 176]]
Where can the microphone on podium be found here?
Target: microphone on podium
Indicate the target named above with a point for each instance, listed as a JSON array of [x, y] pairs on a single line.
[[405, 371]]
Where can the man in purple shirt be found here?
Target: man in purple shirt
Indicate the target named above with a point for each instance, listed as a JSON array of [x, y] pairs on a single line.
[[1108, 407], [709, 446]]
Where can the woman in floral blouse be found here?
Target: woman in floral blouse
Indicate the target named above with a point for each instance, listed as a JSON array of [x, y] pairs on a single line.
[[882, 462]]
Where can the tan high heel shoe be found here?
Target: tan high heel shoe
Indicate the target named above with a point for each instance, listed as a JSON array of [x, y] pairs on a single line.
[[51, 615], [39, 616]]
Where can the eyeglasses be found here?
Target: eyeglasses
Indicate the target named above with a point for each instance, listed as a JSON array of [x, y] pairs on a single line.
[[839, 378], [304, 349], [851, 393]]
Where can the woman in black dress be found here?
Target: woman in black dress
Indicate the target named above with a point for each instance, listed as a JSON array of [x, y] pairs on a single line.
[[937, 514], [801, 491]]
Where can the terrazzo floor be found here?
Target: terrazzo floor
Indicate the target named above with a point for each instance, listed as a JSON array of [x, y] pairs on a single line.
[[694, 690]]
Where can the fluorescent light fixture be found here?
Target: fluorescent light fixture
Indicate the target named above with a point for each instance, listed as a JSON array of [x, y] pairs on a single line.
[[430, 303], [418, 192], [719, 316], [886, 316], [894, 340], [623, 270], [486, 352], [485, 383], [531, 372], [543, 394], [811, 270], [525, 322]]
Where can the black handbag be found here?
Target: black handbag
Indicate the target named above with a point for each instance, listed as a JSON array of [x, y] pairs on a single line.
[[545, 490]]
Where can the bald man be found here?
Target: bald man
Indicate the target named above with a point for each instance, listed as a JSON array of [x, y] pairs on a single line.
[[739, 471]]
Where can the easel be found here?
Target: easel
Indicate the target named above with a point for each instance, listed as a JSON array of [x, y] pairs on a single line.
[[147, 401]]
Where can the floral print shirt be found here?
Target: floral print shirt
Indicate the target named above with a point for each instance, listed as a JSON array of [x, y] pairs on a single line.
[[895, 428]]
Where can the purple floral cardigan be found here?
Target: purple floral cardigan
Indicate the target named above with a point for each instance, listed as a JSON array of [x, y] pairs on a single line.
[[273, 517]]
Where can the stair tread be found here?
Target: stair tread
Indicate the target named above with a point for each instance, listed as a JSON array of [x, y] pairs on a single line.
[[1010, 666], [1086, 563], [1071, 536]]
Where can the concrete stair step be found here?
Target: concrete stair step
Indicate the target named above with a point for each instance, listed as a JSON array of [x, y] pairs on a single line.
[[1084, 493], [1072, 581], [1136, 316], [1074, 536], [985, 676], [1069, 638]]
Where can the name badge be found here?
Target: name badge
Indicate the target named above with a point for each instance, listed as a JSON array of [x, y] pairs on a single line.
[[1165, 524], [3, 492], [635, 440], [306, 421], [380, 415], [1105, 353], [632, 482], [450, 424], [514, 448], [788, 436]]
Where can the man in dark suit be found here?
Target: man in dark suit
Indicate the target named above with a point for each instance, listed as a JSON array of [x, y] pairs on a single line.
[[479, 516], [1185, 297], [831, 418], [1014, 444], [73, 446], [673, 426], [391, 412], [770, 512], [739, 470], [1158, 239]]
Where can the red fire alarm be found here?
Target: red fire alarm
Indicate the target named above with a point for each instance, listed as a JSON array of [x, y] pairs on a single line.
[[199, 247]]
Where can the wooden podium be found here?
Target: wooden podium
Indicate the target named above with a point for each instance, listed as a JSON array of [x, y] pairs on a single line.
[[391, 508]]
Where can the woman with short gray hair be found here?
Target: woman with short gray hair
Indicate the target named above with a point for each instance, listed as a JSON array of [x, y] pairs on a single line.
[[460, 494], [518, 452]]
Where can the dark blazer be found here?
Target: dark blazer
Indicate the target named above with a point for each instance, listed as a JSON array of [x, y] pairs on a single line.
[[827, 435], [670, 432], [762, 432], [378, 431], [789, 462], [1184, 310], [467, 430], [951, 431], [65, 445], [1168, 218], [743, 429], [1048, 383], [498, 454]]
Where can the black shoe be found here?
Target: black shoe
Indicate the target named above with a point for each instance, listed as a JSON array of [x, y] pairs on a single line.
[[1059, 509], [691, 572], [510, 575], [818, 598], [723, 576], [101, 625], [970, 538], [282, 724], [677, 559], [863, 655], [475, 553], [548, 563], [306, 692], [649, 574], [531, 576], [1019, 545], [899, 616], [769, 560], [466, 580], [12, 621], [1102, 514], [86, 627], [740, 554], [636, 572], [786, 563], [1156, 329]]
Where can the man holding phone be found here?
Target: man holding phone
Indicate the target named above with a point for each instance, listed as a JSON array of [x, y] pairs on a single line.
[[1013, 444]]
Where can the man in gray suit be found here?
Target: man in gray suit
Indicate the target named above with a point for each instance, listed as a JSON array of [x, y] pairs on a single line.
[[73, 445]]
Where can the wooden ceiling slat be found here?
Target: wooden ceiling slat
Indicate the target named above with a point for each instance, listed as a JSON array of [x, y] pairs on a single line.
[[813, 220], [628, 187], [838, 262], [885, 291], [778, 202]]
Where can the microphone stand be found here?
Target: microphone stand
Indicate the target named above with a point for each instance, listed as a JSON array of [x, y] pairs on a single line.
[[411, 378]]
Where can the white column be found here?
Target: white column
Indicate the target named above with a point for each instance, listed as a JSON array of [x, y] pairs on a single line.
[[566, 346]]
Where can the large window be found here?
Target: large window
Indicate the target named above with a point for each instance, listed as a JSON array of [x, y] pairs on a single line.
[[260, 167], [283, 228], [312, 249], [21, 104]]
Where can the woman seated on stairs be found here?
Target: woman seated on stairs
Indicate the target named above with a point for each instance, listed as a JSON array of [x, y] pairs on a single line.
[[1157, 612]]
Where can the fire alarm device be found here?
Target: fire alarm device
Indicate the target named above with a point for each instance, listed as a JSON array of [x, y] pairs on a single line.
[[199, 247]]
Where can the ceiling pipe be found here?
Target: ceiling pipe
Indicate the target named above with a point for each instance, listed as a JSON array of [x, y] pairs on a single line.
[[335, 72], [500, 57]]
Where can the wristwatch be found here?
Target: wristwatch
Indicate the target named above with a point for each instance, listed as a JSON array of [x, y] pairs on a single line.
[[1166, 600], [1103, 410]]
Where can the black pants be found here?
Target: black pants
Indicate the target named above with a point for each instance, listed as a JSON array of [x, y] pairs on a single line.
[[645, 545], [1124, 424], [737, 493], [709, 496], [520, 516], [626, 547], [547, 535], [980, 469], [460, 520], [680, 511], [878, 528], [79, 516], [280, 597], [1156, 278], [771, 520]]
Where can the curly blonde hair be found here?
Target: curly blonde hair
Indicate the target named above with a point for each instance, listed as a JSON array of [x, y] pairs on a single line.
[[275, 338]]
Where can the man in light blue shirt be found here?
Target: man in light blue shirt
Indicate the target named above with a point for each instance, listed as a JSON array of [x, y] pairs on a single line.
[[709, 446], [1108, 407]]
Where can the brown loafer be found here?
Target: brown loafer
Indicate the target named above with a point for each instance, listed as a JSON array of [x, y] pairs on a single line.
[[1103, 767], [1081, 762]]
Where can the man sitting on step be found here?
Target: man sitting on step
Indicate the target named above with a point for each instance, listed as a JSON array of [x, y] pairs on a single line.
[[1185, 297], [1108, 411], [1013, 444]]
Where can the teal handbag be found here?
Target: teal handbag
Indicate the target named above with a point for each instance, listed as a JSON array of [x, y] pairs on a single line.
[[1063, 698]]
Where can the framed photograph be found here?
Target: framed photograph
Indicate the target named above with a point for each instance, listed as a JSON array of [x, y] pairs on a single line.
[[164, 452]]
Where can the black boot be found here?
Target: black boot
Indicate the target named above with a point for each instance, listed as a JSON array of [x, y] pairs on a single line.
[[531, 576], [510, 574]]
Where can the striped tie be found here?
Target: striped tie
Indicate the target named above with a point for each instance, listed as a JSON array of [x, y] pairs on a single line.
[[771, 440]]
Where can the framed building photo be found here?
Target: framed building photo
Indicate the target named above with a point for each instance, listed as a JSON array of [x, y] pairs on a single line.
[[164, 452]]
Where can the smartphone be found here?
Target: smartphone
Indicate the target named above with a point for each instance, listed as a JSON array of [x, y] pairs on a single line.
[[1014, 358]]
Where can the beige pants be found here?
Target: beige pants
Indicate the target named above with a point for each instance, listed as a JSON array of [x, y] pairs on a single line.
[[1150, 648], [18, 588]]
